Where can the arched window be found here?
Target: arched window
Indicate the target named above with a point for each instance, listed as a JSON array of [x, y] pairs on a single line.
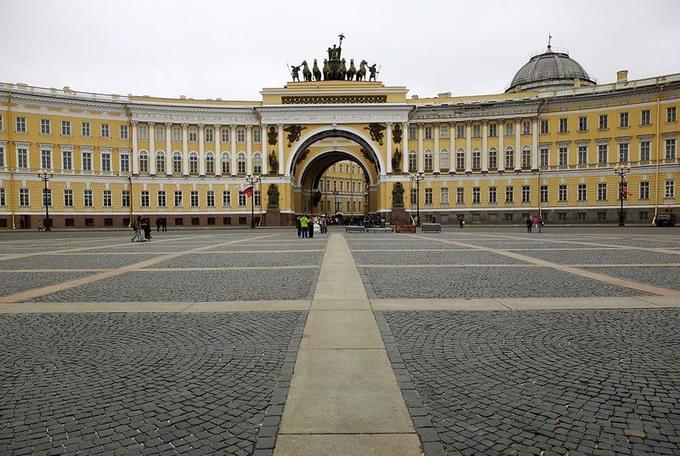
[[193, 163], [226, 164], [412, 161], [241, 159], [428, 161], [160, 162], [257, 163], [209, 163], [509, 157], [177, 163], [444, 159], [143, 162]]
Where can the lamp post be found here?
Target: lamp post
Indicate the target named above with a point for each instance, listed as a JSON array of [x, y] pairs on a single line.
[[45, 177], [335, 193], [621, 171], [417, 177], [540, 195], [252, 179]]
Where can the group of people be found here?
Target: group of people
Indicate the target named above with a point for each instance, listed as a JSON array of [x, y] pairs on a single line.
[[142, 229], [307, 227], [535, 223]]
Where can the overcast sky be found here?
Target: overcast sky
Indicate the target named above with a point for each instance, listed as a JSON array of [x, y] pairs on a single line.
[[232, 49]]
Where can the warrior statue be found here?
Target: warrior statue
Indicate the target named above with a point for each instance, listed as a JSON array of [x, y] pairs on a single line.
[[373, 72], [295, 70]]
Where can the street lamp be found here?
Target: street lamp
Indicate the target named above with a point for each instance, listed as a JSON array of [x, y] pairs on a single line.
[[621, 171], [45, 177], [252, 179], [335, 193], [417, 177]]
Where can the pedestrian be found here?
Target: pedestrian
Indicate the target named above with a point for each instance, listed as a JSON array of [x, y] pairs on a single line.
[[540, 224], [529, 223], [324, 225], [158, 225], [298, 225], [461, 223], [165, 224], [310, 228], [304, 226], [146, 226], [137, 227]]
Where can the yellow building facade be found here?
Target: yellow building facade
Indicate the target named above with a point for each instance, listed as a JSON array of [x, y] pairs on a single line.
[[551, 144]]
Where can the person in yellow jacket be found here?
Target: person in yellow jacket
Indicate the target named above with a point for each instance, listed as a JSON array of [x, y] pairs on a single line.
[[304, 224]]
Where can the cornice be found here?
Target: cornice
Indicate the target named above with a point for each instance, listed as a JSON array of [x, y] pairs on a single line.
[[194, 115], [333, 114]]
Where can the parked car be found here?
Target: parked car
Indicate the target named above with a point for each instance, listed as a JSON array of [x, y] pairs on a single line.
[[665, 220]]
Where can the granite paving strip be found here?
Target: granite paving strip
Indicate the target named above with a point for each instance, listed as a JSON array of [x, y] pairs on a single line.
[[625, 283], [37, 292], [344, 397], [155, 306]]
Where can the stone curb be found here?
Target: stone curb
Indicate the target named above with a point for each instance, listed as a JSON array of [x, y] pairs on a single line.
[[430, 441]]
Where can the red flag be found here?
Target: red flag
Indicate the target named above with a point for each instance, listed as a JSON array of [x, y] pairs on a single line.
[[248, 190]]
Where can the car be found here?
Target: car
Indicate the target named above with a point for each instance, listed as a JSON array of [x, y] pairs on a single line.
[[665, 220]]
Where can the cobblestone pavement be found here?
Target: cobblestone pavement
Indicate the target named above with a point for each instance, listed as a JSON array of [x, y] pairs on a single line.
[[73, 261], [433, 257], [14, 282], [244, 260], [543, 383], [144, 383], [661, 276]]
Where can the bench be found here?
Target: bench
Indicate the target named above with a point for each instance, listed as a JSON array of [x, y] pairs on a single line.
[[354, 229], [405, 228], [377, 229], [431, 228]]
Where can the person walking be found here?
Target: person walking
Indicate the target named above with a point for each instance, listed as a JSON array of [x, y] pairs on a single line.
[[298, 225], [310, 229], [137, 227], [540, 224], [304, 226], [529, 224]]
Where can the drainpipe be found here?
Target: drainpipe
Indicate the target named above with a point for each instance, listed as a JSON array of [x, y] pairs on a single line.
[[11, 197], [658, 151], [126, 108]]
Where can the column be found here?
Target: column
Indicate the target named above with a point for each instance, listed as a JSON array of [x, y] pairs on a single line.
[[518, 146], [388, 165], [264, 150], [485, 151], [501, 147], [435, 152], [249, 149], [201, 149], [282, 165], [218, 153], [152, 148], [452, 147], [168, 149], [421, 152], [404, 148], [468, 147], [135, 150], [185, 149], [234, 163], [534, 144]]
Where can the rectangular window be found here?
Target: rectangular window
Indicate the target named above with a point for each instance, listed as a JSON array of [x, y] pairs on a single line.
[[87, 160], [178, 198], [582, 155], [604, 121], [414, 197], [583, 123], [526, 193], [544, 127], [107, 198], [544, 193], [428, 132], [670, 149], [412, 132], [21, 125], [2, 127], [66, 128], [144, 198], [460, 195], [460, 161], [645, 151], [602, 154], [68, 198], [45, 126], [545, 157], [526, 158], [176, 134], [526, 128], [226, 198], [106, 161], [644, 190], [669, 188], [209, 135], [24, 199], [645, 117], [161, 199], [428, 196], [492, 195], [460, 131], [623, 120], [601, 192], [564, 125], [444, 195], [192, 134], [257, 135], [22, 157], [241, 135], [106, 133], [476, 160], [224, 135], [563, 156], [85, 129], [508, 129], [160, 132], [493, 132], [623, 152], [3, 199], [242, 199], [443, 131], [509, 159], [125, 198], [476, 131], [124, 163], [671, 114], [582, 192], [194, 198], [258, 199], [124, 132], [143, 132], [509, 194], [47, 197], [2, 156], [46, 159], [87, 198], [562, 192], [476, 195], [493, 159], [210, 198]]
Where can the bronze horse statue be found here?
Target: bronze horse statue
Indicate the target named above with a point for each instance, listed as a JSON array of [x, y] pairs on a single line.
[[316, 71], [361, 72], [306, 73], [352, 70]]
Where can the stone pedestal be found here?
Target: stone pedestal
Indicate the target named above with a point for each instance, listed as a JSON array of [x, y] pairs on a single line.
[[272, 218], [399, 216]]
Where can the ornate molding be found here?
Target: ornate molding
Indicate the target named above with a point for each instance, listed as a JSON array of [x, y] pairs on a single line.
[[326, 114], [334, 99], [179, 115]]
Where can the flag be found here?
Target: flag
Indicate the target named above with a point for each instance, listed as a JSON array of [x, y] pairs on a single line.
[[248, 190]]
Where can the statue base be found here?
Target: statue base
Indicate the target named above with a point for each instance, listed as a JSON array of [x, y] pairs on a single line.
[[272, 217], [399, 216]]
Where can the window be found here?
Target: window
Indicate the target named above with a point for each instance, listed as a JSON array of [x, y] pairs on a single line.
[[644, 190], [476, 131], [257, 135], [144, 198], [476, 195], [47, 197], [670, 149], [493, 158], [526, 158], [669, 188], [645, 148], [106, 161], [24, 200], [460, 195], [444, 159], [601, 216], [143, 132], [107, 198], [178, 198], [544, 127], [476, 160], [124, 163], [602, 153], [68, 198], [544, 193], [66, 128], [645, 117], [224, 135], [562, 192], [87, 198], [257, 163], [545, 157], [623, 120], [45, 127], [87, 160], [428, 161], [210, 198], [460, 160], [428, 132], [85, 129], [46, 159], [161, 198], [412, 132], [563, 156], [226, 164], [241, 135], [177, 163], [509, 158], [582, 192], [444, 195], [526, 193], [241, 163], [583, 123], [582, 155], [193, 163], [22, 157], [581, 216], [2, 156], [176, 134], [414, 196], [160, 132], [193, 134], [105, 130], [601, 192], [443, 131], [428, 196], [125, 198], [242, 199], [508, 129], [143, 162], [258, 198], [493, 130], [412, 161], [564, 126], [526, 128], [623, 152], [226, 198], [509, 194], [123, 132], [2, 127], [21, 125], [209, 163], [604, 121], [671, 114], [492, 195], [193, 197], [460, 131]]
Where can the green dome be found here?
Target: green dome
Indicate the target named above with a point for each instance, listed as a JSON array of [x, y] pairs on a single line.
[[549, 70]]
